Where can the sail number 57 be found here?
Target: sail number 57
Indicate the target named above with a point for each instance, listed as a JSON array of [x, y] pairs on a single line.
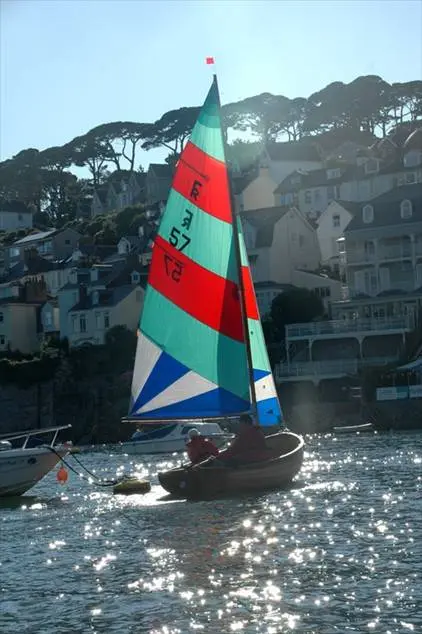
[[178, 240]]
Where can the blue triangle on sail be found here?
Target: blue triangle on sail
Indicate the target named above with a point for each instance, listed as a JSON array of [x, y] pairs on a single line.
[[166, 371], [259, 374], [269, 412], [217, 402]]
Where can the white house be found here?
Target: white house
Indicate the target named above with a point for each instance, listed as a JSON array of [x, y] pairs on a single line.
[[14, 215], [330, 227], [279, 240]]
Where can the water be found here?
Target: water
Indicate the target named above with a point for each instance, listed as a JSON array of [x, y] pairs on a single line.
[[340, 552]]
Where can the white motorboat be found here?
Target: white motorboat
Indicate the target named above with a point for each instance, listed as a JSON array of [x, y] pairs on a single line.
[[172, 437], [22, 466], [351, 429]]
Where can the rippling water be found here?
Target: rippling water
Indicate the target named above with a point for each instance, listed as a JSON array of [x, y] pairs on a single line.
[[340, 552]]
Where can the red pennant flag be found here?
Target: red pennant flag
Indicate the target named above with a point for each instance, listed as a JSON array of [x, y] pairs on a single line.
[[209, 60]]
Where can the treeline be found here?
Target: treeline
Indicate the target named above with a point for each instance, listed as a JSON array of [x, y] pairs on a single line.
[[367, 106]]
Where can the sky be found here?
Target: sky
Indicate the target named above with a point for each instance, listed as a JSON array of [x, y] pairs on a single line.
[[69, 65]]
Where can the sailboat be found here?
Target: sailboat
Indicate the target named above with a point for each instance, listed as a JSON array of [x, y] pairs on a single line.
[[201, 352]]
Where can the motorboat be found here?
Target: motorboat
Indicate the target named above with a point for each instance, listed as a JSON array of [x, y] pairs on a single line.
[[25, 459], [172, 437]]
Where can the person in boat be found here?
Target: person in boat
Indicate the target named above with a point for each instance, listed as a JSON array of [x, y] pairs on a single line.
[[199, 448], [249, 444]]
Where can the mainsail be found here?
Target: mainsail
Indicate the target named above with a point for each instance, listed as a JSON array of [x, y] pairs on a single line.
[[191, 357], [267, 404]]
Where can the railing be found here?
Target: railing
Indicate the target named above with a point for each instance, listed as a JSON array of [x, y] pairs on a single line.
[[330, 368], [316, 368], [26, 435], [341, 326]]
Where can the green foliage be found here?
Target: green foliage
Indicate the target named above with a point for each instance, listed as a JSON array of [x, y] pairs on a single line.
[[296, 305]]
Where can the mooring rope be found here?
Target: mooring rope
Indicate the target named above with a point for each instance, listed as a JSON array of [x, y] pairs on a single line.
[[97, 481]]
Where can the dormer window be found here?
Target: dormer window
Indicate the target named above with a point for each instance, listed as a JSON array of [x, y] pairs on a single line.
[[333, 173], [336, 220], [406, 209], [368, 214], [371, 166]]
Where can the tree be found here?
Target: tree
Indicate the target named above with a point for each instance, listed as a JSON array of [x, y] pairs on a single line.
[[172, 130], [259, 115], [121, 139], [296, 305], [91, 151]]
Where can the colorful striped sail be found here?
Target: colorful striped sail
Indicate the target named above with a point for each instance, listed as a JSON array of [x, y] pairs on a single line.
[[267, 404], [191, 358]]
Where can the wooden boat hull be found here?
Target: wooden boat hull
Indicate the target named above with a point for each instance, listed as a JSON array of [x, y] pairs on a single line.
[[218, 480]]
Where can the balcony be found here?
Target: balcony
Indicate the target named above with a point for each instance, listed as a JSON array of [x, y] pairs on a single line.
[[359, 257], [342, 327], [328, 369]]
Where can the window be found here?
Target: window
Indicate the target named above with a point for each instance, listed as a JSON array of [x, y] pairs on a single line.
[[67, 241], [410, 178], [74, 323], [48, 320], [413, 158], [1, 317], [308, 197], [2, 340], [135, 277], [332, 192], [106, 320], [334, 173], [95, 298], [98, 321], [406, 209], [336, 220], [20, 218], [82, 323], [368, 214], [371, 166]]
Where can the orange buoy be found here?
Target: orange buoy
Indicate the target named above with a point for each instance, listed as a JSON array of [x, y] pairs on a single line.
[[62, 475]]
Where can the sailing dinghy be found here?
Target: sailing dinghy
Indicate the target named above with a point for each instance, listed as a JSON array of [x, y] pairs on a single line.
[[201, 352]]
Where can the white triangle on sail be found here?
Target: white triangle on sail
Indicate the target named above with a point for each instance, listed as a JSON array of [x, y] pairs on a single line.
[[188, 386], [265, 388], [147, 355]]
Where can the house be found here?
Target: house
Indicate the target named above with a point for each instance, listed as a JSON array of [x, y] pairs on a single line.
[[55, 244], [376, 170], [122, 189], [158, 182], [279, 240], [255, 190], [284, 158], [14, 215], [383, 244], [27, 315], [98, 298], [330, 228], [267, 291]]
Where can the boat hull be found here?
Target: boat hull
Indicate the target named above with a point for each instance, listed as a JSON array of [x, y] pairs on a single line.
[[218, 480], [175, 440], [21, 469]]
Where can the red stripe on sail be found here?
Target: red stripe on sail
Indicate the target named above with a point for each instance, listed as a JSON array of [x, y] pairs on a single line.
[[203, 180], [250, 298], [207, 297]]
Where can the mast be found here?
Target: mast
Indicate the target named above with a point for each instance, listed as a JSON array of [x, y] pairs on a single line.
[[239, 269]]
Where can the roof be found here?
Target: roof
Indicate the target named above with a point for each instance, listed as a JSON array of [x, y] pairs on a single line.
[[35, 237], [313, 178], [264, 221], [282, 287], [352, 208], [293, 151], [14, 206], [162, 170], [387, 209], [240, 183], [109, 297], [99, 250]]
